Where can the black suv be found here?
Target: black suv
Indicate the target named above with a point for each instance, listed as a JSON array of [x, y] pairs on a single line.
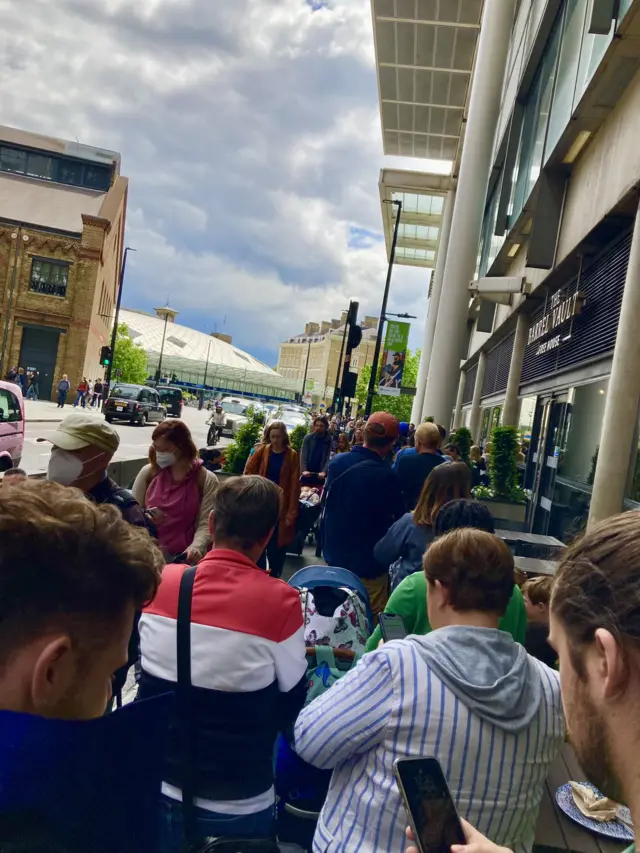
[[171, 399], [137, 404]]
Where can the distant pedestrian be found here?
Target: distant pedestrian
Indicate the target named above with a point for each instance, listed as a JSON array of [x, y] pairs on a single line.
[[64, 387], [406, 541], [12, 373], [97, 393], [316, 451], [537, 598], [276, 460], [453, 452], [21, 380], [343, 445], [414, 466], [81, 393], [363, 500], [34, 388]]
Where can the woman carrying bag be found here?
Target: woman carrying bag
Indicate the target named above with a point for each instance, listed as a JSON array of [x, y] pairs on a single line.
[[276, 460]]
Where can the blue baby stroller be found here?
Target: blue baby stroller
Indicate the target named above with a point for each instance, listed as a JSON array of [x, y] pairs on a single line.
[[338, 622]]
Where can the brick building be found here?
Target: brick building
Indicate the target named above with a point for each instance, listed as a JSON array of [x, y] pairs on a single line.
[[62, 220]]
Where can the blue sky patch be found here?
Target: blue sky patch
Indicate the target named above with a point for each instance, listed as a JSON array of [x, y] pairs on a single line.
[[362, 238]]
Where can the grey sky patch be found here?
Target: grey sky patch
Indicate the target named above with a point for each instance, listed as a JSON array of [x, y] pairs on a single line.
[[249, 130]]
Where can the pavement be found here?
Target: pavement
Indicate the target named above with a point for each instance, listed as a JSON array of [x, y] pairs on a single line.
[[42, 418]]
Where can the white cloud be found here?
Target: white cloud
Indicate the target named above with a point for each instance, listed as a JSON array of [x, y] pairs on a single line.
[[250, 132]]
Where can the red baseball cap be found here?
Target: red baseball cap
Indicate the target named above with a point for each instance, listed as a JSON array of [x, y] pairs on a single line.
[[383, 425]]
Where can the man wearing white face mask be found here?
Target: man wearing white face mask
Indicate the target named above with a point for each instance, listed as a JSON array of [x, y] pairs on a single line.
[[82, 450]]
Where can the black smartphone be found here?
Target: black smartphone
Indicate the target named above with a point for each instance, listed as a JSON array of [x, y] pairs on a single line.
[[430, 808], [392, 627]]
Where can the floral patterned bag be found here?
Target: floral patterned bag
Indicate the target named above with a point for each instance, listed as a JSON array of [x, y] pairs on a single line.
[[347, 626]]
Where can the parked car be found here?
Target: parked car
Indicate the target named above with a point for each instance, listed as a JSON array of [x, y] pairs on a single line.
[[235, 408], [11, 425], [291, 417], [172, 399], [137, 404]]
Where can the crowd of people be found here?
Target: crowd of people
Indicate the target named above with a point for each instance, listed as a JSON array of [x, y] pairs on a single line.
[[88, 394], [178, 581], [28, 381]]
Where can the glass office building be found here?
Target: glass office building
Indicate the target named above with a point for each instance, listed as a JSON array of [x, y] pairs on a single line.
[[545, 227]]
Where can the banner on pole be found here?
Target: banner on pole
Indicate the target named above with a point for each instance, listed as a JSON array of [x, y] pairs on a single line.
[[393, 357]]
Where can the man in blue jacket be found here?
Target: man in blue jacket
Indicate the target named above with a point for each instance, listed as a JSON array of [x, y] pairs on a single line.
[[363, 499]]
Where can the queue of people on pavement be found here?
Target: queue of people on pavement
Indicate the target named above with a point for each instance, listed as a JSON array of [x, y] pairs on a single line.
[[169, 581]]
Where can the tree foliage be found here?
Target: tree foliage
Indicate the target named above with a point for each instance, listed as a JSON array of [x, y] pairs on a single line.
[[462, 439], [503, 467], [129, 359], [399, 406]]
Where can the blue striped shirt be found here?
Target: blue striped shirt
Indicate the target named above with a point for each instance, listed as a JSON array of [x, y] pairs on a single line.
[[392, 705]]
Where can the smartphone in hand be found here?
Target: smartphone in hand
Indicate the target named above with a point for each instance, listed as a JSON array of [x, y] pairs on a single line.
[[430, 808], [392, 627]]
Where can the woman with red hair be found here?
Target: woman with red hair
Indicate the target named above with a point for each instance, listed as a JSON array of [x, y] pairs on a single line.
[[177, 492]]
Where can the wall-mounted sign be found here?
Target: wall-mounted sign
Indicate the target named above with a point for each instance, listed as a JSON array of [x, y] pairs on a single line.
[[561, 308]]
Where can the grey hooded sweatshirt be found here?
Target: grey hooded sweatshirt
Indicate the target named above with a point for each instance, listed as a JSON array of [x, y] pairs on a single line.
[[470, 697], [488, 671]]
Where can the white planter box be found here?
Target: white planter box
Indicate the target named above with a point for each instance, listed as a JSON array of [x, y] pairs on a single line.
[[507, 510]]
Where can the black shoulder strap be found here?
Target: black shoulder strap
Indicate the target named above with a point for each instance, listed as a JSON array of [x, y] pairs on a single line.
[[183, 697]]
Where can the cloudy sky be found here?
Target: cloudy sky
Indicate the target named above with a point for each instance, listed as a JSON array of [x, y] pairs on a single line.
[[250, 132]]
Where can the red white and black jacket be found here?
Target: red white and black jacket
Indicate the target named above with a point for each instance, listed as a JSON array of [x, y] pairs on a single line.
[[248, 670]]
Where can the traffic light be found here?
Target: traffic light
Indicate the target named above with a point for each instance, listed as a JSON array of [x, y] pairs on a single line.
[[106, 356]]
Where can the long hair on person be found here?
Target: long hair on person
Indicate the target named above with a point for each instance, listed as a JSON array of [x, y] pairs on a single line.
[[447, 482], [266, 436]]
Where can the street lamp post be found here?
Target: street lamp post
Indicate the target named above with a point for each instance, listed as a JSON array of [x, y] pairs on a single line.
[[114, 333], [206, 367], [306, 368], [164, 335], [383, 312]]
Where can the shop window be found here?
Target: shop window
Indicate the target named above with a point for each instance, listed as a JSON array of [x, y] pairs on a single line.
[[486, 418], [584, 421], [632, 491], [49, 277], [525, 420]]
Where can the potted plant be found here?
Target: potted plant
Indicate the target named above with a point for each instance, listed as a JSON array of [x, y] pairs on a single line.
[[297, 436], [244, 441], [503, 497], [462, 439]]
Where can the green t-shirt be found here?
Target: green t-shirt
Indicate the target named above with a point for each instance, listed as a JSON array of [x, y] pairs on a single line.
[[409, 600]]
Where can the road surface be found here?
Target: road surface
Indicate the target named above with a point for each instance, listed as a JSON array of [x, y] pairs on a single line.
[[42, 419]]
